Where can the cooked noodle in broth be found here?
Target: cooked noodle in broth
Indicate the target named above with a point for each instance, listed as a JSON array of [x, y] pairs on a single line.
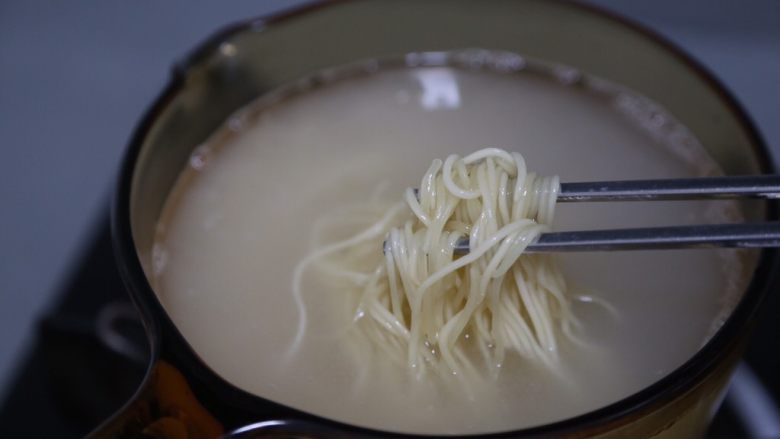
[[416, 305], [269, 253]]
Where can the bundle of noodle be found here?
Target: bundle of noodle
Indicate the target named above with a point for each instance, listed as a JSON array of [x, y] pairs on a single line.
[[428, 308]]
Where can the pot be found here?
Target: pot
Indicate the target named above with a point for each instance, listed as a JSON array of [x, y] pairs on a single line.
[[181, 397]]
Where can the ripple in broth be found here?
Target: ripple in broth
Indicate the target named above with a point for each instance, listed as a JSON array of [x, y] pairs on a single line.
[[240, 218]]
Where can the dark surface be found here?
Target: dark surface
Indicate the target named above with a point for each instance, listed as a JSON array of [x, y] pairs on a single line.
[[763, 352], [71, 381]]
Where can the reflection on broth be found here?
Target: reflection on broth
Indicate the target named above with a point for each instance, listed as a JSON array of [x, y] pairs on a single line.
[[256, 197]]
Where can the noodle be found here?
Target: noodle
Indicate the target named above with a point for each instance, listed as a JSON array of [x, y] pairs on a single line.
[[428, 308]]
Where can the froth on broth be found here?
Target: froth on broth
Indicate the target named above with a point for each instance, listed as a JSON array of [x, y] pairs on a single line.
[[243, 213]]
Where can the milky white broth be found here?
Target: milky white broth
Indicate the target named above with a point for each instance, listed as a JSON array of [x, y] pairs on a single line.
[[241, 215]]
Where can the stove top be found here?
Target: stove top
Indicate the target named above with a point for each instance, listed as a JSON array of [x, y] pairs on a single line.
[[81, 367], [90, 355]]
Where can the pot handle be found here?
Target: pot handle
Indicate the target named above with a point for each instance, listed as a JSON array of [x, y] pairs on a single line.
[[163, 408]]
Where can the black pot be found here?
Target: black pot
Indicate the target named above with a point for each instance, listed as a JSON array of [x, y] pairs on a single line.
[[182, 397]]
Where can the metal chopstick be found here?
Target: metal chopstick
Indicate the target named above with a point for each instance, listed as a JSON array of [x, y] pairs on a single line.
[[751, 235], [749, 186]]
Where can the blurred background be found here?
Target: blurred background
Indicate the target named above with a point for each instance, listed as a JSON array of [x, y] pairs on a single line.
[[76, 76]]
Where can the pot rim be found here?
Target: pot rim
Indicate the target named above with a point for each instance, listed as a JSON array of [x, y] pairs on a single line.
[[684, 378]]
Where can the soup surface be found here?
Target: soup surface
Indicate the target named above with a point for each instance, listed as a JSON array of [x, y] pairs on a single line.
[[242, 216]]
